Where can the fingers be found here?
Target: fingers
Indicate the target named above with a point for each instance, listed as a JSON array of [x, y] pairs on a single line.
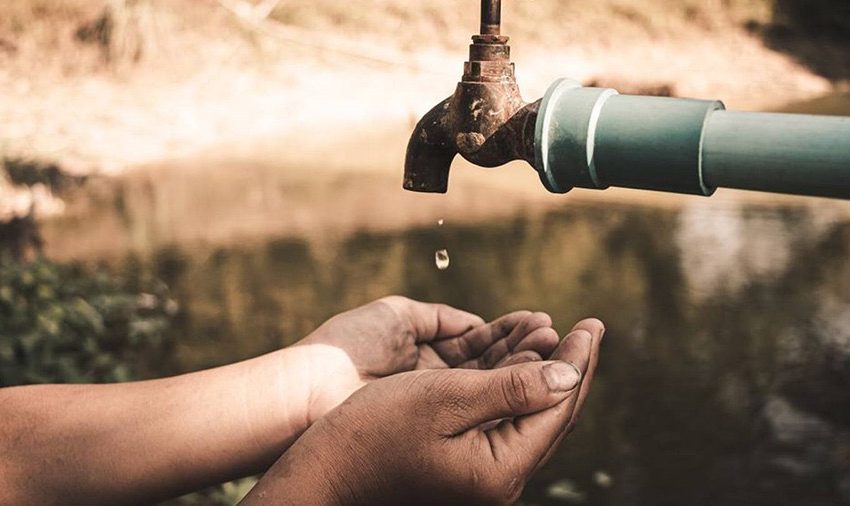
[[462, 339], [534, 322], [530, 439], [428, 358], [472, 344], [519, 358], [432, 321], [597, 330], [482, 396], [485, 346], [540, 341], [543, 341]]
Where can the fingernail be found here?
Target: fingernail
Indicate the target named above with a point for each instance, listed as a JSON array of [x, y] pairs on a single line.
[[561, 376]]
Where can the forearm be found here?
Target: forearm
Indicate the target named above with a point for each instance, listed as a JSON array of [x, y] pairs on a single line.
[[138, 442], [303, 476]]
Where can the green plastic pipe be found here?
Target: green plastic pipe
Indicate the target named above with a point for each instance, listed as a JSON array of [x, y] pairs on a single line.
[[596, 138]]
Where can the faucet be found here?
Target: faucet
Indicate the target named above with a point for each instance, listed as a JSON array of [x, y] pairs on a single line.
[[486, 121], [595, 138]]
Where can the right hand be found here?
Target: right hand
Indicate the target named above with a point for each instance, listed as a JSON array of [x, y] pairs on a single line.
[[423, 436]]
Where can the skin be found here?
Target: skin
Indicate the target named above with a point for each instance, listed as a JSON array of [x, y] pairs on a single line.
[[439, 436], [146, 441]]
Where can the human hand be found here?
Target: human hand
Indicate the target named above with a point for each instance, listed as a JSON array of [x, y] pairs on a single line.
[[396, 334], [420, 437]]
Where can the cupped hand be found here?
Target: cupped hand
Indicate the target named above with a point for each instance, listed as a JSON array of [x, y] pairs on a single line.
[[396, 334], [422, 438]]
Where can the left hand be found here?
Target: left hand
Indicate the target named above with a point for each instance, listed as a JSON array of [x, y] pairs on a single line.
[[396, 334]]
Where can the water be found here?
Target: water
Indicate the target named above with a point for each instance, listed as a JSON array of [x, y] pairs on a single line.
[[441, 258], [725, 371], [602, 479]]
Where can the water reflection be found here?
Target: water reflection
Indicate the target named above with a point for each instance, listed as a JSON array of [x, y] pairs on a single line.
[[726, 363]]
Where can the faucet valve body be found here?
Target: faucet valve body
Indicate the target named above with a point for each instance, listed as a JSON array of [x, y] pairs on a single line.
[[489, 60], [481, 121]]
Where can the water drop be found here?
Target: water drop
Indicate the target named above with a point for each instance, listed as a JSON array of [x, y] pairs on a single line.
[[603, 479], [440, 222], [442, 259], [567, 491]]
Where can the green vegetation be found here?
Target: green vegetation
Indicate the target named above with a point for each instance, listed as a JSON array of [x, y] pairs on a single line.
[[71, 324], [63, 324], [66, 324]]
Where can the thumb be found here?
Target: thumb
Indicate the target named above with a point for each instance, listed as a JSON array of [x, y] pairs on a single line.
[[509, 392]]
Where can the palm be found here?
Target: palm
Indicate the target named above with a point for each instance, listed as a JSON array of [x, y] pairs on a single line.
[[519, 334], [396, 335]]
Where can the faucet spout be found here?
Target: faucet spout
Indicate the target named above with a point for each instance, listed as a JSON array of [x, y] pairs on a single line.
[[431, 151]]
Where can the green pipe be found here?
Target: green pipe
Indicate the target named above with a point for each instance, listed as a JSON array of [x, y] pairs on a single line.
[[596, 138], [781, 153]]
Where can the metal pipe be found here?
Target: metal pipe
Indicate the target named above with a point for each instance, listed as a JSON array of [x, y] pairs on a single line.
[[595, 138], [491, 17]]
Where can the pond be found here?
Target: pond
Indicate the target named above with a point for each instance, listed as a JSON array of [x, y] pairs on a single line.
[[725, 370]]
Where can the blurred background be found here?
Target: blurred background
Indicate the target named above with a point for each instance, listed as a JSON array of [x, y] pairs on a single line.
[[188, 183]]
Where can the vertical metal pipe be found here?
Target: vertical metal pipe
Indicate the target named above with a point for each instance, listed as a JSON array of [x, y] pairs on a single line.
[[491, 17]]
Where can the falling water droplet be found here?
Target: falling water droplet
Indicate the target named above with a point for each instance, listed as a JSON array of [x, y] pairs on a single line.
[[440, 222], [442, 259], [603, 479]]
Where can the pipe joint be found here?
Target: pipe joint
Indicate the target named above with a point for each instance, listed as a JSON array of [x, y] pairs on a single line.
[[596, 138]]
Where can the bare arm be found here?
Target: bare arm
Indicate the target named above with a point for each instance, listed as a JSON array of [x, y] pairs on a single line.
[[147, 441]]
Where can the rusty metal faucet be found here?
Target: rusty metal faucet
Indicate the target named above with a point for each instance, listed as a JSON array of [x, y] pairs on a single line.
[[486, 121]]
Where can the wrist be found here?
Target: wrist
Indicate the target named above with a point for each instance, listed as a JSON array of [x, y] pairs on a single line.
[[309, 474], [277, 399], [329, 375]]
